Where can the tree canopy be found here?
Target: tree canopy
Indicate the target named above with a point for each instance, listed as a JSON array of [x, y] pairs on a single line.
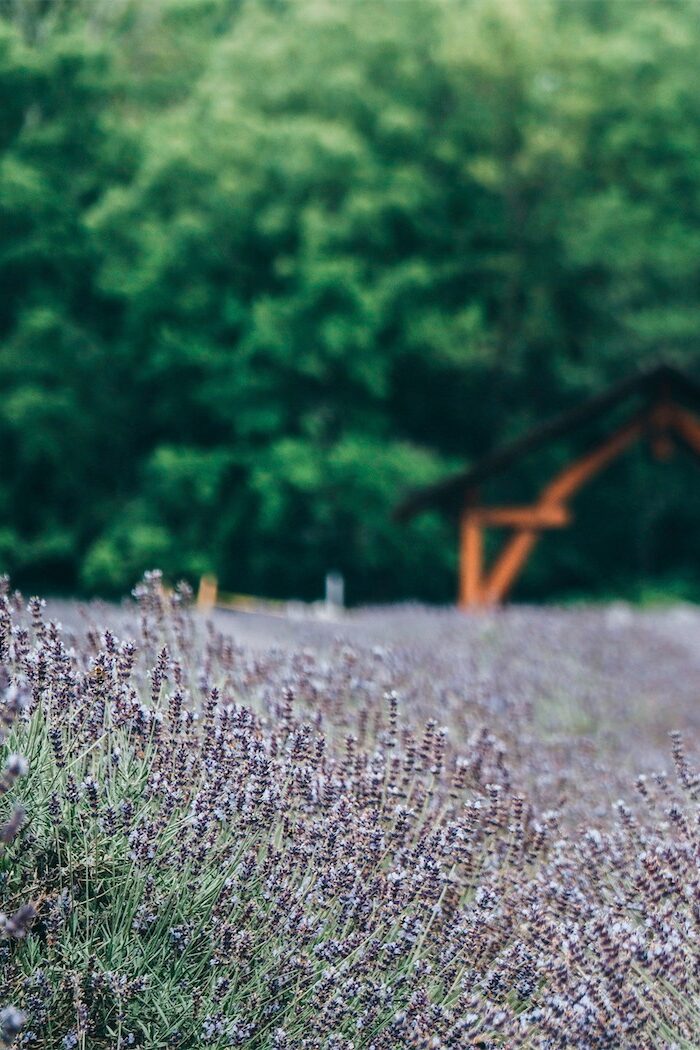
[[266, 264]]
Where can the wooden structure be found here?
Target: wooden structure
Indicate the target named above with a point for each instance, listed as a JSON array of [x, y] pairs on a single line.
[[659, 398]]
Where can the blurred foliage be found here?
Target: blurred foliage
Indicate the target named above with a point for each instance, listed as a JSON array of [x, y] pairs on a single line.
[[266, 265]]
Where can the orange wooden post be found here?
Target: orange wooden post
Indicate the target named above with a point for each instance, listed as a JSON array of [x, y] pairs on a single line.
[[471, 555], [206, 595]]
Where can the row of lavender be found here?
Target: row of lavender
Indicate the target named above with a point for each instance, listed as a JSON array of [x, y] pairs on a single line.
[[220, 847], [15, 925]]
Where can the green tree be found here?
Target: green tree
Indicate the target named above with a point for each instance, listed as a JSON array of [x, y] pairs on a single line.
[[268, 264]]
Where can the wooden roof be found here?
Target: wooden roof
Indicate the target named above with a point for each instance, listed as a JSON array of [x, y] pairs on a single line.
[[448, 495]]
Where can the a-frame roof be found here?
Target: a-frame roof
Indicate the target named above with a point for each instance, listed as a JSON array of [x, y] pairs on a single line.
[[651, 383]]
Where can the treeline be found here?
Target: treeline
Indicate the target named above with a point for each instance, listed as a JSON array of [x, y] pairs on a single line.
[[266, 265]]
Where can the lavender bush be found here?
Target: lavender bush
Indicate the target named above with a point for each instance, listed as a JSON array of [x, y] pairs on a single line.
[[355, 847], [16, 924]]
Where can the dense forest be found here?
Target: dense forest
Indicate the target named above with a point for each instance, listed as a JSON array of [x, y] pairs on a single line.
[[268, 264]]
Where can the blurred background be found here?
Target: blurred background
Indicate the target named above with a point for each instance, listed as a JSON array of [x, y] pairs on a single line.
[[268, 264]]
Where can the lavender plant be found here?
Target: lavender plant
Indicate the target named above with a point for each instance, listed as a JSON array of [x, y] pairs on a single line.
[[289, 849], [16, 924]]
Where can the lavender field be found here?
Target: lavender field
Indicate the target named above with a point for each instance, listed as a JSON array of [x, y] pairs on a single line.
[[405, 828]]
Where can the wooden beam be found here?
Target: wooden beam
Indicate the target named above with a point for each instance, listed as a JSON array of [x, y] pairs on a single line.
[[470, 559], [508, 565], [571, 478], [547, 516]]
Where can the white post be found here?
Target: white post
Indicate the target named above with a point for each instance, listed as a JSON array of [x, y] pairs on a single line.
[[335, 591]]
